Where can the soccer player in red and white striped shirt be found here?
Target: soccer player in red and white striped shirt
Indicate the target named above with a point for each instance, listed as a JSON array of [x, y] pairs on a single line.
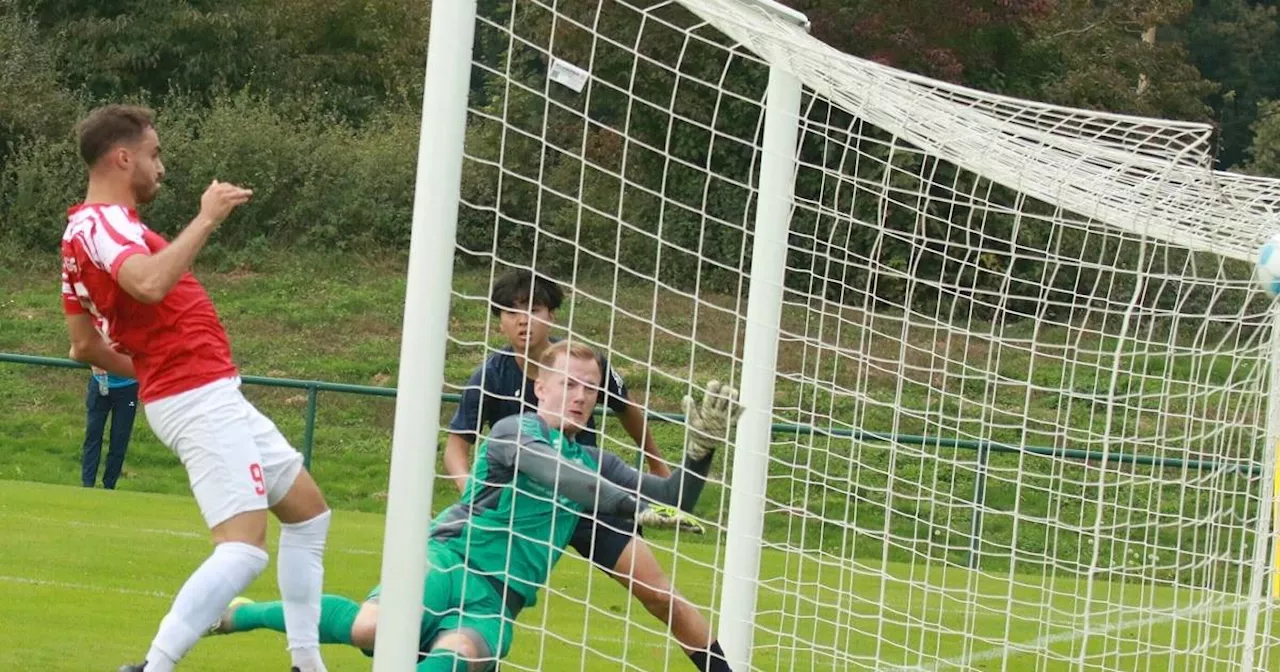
[[134, 308]]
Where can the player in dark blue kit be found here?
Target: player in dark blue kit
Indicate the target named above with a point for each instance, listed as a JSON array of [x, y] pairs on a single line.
[[503, 386]]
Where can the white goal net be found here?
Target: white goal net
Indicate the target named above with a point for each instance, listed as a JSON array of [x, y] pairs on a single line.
[[1020, 414]]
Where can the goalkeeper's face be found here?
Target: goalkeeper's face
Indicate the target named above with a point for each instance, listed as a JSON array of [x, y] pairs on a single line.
[[567, 392]]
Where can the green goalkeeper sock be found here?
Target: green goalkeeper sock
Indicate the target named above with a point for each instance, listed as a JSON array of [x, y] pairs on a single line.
[[258, 615], [337, 615]]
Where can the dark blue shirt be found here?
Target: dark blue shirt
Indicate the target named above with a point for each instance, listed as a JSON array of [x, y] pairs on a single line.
[[498, 388]]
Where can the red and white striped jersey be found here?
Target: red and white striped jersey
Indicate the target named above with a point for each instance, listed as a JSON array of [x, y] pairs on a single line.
[[176, 345]]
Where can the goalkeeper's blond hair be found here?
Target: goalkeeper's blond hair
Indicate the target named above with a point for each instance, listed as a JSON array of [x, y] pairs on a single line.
[[550, 359]]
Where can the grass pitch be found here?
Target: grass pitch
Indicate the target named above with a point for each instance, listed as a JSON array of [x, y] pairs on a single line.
[[85, 576]]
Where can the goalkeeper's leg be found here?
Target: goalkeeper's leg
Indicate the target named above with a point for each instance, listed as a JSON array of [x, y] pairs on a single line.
[[342, 621], [639, 571], [630, 561]]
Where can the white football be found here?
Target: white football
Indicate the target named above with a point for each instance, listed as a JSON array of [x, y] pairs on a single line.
[[1268, 267]]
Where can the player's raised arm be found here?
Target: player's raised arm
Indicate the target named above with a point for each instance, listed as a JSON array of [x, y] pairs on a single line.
[[149, 277], [710, 425], [524, 450]]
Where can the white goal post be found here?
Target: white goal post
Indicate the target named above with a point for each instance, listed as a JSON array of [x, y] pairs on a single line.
[[426, 324], [1007, 379]]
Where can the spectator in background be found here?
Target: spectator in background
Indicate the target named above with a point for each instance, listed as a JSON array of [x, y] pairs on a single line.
[[113, 396]]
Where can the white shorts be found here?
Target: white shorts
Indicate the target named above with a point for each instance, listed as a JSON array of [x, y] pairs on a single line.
[[235, 457]]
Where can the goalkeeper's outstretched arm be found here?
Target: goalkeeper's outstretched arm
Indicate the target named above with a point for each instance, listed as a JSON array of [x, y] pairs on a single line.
[[612, 491], [682, 488], [709, 426], [528, 454]]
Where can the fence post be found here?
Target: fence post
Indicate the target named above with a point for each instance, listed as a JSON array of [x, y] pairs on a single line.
[[309, 432]]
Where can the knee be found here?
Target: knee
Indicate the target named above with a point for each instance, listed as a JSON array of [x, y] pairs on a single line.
[[240, 562], [245, 528], [309, 535], [257, 539], [364, 634], [459, 647], [365, 629], [302, 501], [463, 645]]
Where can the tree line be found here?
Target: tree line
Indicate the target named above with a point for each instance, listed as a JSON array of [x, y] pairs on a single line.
[[316, 105]]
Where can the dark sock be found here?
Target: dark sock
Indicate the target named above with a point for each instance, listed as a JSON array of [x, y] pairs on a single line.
[[713, 661]]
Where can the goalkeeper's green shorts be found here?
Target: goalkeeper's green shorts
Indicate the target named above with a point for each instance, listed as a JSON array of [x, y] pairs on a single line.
[[454, 598]]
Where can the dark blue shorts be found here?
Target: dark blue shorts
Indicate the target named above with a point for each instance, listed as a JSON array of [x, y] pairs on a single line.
[[601, 539]]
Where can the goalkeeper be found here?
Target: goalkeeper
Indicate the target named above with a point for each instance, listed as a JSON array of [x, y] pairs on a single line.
[[524, 304], [489, 553]]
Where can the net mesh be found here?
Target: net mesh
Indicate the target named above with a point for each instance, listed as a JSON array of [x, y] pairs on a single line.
[[1020, 401]]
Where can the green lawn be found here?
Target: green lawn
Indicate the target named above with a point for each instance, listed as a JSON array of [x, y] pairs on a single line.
[[86, 575], [892, 524]]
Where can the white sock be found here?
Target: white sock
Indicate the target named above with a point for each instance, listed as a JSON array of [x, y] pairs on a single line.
[[225, 574], [300, 571]]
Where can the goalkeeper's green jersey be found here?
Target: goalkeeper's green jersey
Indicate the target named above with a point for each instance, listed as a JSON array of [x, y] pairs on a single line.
[[518, 511], [529, 484]]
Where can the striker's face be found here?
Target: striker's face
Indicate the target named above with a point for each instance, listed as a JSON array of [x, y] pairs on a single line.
[[146, 169]]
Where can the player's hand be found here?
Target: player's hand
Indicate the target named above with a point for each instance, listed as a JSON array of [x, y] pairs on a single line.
[[710, 422], [220, 199], [668, 517]]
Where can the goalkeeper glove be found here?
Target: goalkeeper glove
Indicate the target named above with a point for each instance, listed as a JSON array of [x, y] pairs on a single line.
[[709, 424], [668, 517]]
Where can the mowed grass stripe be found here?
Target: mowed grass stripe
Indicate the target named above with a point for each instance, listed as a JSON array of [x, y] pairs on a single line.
[[87, 574]]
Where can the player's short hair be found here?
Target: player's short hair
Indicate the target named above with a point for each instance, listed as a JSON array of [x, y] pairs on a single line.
[[524, 288], [109, 126], [572, 349]]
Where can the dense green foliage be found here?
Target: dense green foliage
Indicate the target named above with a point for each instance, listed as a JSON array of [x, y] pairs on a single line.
[[315, 105]]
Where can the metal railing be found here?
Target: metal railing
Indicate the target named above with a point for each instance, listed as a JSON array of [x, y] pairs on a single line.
[[982, 447]]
